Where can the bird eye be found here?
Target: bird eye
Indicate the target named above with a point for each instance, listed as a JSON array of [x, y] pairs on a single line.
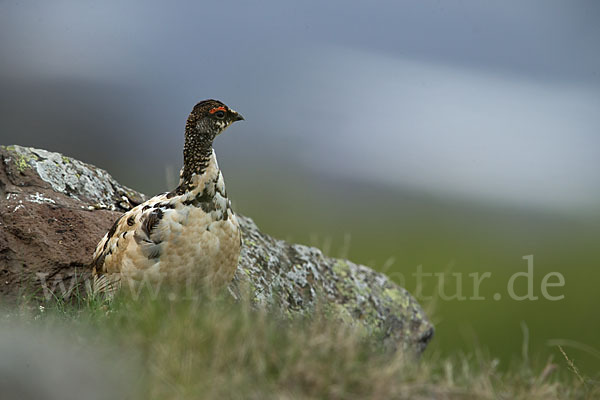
[[220, 114]]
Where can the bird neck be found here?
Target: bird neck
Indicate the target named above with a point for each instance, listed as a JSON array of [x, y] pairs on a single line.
[[197, 156]]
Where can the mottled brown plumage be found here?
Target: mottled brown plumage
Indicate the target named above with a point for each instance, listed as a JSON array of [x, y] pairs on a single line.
[[190, 233]]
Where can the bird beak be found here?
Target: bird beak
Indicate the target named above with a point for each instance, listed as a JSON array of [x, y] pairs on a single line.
[[236, 116]]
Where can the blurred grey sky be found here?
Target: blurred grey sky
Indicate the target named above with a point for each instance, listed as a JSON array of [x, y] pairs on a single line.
[[491, 100]]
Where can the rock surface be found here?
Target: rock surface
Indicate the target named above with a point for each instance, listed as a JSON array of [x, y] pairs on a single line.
[[54, 210]]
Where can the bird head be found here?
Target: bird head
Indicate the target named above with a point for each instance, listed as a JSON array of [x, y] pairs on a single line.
[[211, 117]]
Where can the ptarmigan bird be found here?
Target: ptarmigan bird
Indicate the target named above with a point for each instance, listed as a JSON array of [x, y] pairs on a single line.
[[188, 233]]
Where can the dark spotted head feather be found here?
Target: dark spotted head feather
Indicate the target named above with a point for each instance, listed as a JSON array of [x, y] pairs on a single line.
[[209, 118]]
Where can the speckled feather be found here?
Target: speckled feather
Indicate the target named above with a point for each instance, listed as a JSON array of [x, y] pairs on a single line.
[[189, 233]]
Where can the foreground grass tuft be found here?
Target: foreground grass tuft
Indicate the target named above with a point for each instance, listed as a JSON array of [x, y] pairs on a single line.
[[217, 348]]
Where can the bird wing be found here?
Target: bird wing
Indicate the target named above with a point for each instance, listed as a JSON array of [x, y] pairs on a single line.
[[138, 224]]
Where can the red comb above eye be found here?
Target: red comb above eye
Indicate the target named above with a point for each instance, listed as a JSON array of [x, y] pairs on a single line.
[[214, 110]]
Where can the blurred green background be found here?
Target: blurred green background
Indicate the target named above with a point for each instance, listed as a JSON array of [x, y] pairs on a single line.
[[459, 136], [396, 231]]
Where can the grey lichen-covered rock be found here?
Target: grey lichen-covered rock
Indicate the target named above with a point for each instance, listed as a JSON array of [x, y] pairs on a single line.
[[53, 212], [74, 178], [54, 209], [299, 279]]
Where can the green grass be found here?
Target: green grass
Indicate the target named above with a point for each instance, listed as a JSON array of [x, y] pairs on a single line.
[[395, 231], [217, 348]]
